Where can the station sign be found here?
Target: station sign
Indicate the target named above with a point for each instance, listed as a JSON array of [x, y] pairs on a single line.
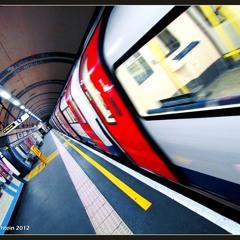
[[9, 128], [15, 124]]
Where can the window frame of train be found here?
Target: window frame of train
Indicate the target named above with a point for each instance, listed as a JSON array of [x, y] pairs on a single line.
[[191, 70], [69, 116]]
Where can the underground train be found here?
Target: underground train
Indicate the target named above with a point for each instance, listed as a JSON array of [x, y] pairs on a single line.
[[160, 86]]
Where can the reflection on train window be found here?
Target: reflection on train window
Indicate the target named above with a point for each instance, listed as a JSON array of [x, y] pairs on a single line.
[[212, 14], [138, 68], [192, 64], [171, 44], [94, 94]]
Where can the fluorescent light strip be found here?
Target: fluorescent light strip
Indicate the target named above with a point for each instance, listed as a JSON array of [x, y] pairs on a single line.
[[5, 95], [16, 102]]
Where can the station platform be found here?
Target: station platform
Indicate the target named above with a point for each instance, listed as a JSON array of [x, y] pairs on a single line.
[[82, 191]]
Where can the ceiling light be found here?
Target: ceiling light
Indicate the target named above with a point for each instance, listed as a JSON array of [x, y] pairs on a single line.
[[5, 94], [16, 102]]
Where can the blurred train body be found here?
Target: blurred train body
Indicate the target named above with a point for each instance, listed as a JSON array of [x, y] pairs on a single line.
[[159, 86]]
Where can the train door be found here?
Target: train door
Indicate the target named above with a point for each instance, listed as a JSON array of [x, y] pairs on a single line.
[[52, 122], [86, 116], [72, 120], [183, 82], [64, 124], [57, 124], [114, 114]]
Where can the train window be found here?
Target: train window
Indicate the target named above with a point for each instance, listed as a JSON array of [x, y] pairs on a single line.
[[69, 115], [194, 63], [61, 121], [59, 117], [74, 105], [94, 94]]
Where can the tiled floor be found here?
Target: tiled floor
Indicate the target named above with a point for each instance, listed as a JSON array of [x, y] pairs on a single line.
[[72, 196], [103, 217]]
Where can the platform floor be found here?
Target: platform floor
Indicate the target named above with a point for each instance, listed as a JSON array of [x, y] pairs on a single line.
[[81, 191]]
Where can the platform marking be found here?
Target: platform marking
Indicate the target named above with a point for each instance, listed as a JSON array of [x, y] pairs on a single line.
[[103, 217], [141, 201], [52, 156], [36, 170], [41, 166], [214, 217]]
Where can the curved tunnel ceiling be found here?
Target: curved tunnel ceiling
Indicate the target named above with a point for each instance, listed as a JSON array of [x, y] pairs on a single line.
[[38, 47]]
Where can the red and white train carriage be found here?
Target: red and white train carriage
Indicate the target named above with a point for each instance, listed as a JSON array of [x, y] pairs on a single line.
[[162, 84]]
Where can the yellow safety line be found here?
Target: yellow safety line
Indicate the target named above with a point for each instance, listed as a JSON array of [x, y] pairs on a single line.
[[52, 156], [36, 170], [141, 201], [40, 166]]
